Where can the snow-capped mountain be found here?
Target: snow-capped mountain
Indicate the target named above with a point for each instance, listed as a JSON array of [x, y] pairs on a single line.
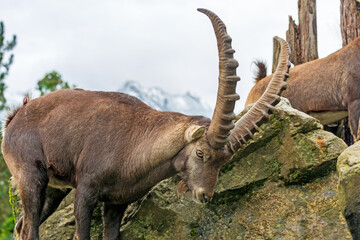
[[160, 100]]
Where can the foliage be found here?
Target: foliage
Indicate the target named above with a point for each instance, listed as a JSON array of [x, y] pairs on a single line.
[[6, 229], [5, 65], [52, 81], [6, 219]]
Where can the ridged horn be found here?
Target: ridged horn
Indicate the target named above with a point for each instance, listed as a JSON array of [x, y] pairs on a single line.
[[223, 116], [247, 124]]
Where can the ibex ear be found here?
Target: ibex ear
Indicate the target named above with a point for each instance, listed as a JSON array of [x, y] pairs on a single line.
[[194, 132]]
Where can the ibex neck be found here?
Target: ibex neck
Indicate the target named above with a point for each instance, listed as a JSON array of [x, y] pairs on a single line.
[[153, 177], [151, 161]]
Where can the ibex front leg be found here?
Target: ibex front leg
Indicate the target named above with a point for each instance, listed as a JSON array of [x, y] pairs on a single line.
[[112, 220], [85, 202], [354, 117]]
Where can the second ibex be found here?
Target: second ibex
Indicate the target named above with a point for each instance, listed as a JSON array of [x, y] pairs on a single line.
[[113, 148]]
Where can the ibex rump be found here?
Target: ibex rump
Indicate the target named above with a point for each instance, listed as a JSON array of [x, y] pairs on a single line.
[[327, 88], [113, 148]]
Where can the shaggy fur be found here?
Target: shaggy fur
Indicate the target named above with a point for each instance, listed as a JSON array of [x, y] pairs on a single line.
[[11, 114], [261, 69]]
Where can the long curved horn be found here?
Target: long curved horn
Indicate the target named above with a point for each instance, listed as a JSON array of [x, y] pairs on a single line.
[[247, 125], [221, 122]]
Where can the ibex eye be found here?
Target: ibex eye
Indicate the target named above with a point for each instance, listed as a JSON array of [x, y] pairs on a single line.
[[199, 153]]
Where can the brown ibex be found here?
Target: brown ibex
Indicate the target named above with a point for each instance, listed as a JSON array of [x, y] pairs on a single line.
[[327, 88], [113, 148]]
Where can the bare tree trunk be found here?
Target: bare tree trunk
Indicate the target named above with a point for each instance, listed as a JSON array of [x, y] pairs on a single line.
[[350, 29], [349, 20], [302, 38]]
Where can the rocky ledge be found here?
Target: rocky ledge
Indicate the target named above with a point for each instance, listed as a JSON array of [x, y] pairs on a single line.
[[281, 185]]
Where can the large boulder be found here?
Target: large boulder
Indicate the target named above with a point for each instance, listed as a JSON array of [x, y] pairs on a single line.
[[281, 185], [348, 167]]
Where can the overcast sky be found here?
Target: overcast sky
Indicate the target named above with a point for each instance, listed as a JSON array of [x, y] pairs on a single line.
[[98, 45]]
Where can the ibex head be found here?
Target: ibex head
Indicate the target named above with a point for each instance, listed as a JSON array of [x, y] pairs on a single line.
[[210, 147]]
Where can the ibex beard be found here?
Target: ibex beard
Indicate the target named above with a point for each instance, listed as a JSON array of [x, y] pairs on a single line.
[[113, 148]]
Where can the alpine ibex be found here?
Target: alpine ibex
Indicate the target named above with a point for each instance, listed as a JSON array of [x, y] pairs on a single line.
[[113, 148], [327, 88]]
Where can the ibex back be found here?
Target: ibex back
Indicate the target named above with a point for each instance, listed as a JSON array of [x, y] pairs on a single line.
[[327, 88], [113, 148]]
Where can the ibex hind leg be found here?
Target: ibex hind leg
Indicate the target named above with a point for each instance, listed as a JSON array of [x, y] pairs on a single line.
[[112, 216], [32, 187], [354, 117], [52, 200]]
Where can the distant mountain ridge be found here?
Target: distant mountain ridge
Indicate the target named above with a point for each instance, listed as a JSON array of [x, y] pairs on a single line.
[[158, 99]]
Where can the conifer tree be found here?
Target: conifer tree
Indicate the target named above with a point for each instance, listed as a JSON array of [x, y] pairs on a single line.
[[5, 61], [50, 82], [6, 220]]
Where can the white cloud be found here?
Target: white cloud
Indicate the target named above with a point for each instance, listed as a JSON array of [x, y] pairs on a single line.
[[99, 45]]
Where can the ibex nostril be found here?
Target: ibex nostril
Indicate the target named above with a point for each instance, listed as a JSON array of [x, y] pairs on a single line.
[[205, 198]]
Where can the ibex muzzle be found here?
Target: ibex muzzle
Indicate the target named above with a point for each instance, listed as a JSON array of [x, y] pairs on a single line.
[[113, 148]]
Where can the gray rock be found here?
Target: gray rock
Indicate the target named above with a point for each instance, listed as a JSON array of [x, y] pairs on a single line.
[[348, 167]]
